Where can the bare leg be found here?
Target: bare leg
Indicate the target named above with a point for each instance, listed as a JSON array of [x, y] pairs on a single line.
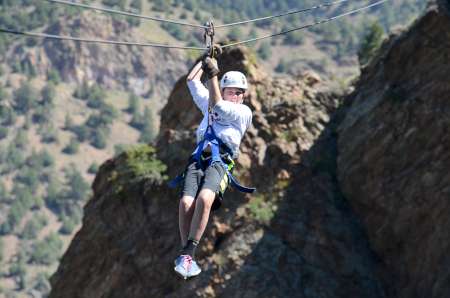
[[185, 213], [203, 205]]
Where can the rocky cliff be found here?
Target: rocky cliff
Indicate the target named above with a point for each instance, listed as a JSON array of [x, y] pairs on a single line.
[[341, 209], [394, 156], [146, 71]]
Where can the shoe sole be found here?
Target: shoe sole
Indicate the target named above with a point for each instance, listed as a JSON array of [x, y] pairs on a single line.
[[194, 275], [181, 274]]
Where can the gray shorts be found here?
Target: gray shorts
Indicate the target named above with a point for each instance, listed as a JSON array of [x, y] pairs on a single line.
[[214, 178]]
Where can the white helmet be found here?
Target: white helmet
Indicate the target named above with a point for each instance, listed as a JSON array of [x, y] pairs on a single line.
[[234, 79]]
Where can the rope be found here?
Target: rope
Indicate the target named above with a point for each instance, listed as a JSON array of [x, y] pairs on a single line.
[[102, 41], [283, 14], [305, 26], [130, 14]]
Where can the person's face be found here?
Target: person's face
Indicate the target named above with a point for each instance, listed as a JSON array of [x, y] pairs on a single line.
[[232, 94]]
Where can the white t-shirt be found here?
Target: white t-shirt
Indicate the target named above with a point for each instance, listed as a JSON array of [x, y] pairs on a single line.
[[230, 120]]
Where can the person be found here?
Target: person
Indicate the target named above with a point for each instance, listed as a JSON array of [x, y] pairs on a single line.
[[226, 119]]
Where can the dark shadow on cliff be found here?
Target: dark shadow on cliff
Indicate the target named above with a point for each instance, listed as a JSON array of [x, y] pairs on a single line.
[[314, 246]]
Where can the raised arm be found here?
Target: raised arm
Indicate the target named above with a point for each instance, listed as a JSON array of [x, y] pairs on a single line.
[[214, 91], [196, 72], [212, 70]]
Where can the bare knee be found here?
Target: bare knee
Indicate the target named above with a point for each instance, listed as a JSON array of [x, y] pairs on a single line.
[[186, 203], [206, 197]]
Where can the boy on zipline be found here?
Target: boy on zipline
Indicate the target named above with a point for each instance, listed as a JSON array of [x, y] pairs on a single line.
[[225, 120]]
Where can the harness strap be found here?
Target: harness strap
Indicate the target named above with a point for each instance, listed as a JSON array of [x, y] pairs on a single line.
[[215, 144]]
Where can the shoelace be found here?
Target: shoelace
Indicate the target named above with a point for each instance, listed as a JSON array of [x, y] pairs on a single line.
[[187, 262]]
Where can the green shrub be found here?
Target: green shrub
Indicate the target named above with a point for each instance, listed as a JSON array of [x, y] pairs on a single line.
[[282, 66], [93, 168], [370, 43], [68, 122], [294, 38], [53, 76], [261, 209], [265, 51], [141, 164], [24, 195], [29, 177], [42, 283], [48, 94], [108, 113], [136, 5], [21, 140], [50, 136], [120, 148], [82, 91], [161, 5], [19, 271], [119, 3], [234, 34], [42, 114], [33, 226], [1, 249], [3, 132], [137, 120], [81, 131], [72, 147], [46, 159], [148, 132], [3, 94], [133, 104], [55, 194], [47, 251], [25, 98], [95, 97], [7, 116], [175, 31], [3, 193], [99, 138], [78, 187], [15, 215], [68, 225], [15, 157]]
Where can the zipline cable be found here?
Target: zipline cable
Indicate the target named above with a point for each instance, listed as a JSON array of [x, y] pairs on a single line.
[[283, 14], [114, 11], [305, 26], [130, 14], [102, 41]]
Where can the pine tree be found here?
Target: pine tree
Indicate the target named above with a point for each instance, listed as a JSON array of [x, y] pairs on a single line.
[[78, 187], [370, 44], [264, 51], [1, 249], [25, 98], [148, 131], [133, 104], [93, 168], [48, 94], [72, 147], [98, 138], [53, 76], [68, 122]]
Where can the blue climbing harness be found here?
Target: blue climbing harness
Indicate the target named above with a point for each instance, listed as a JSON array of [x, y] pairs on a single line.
[[215, 144]]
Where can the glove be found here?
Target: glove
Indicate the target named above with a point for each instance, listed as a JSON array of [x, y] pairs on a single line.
[[217, 50], [209, 66]]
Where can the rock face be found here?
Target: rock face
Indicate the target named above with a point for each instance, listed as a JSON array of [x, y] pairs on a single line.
[[325, 221], [394, 156], [296, 237], [128, 68]]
